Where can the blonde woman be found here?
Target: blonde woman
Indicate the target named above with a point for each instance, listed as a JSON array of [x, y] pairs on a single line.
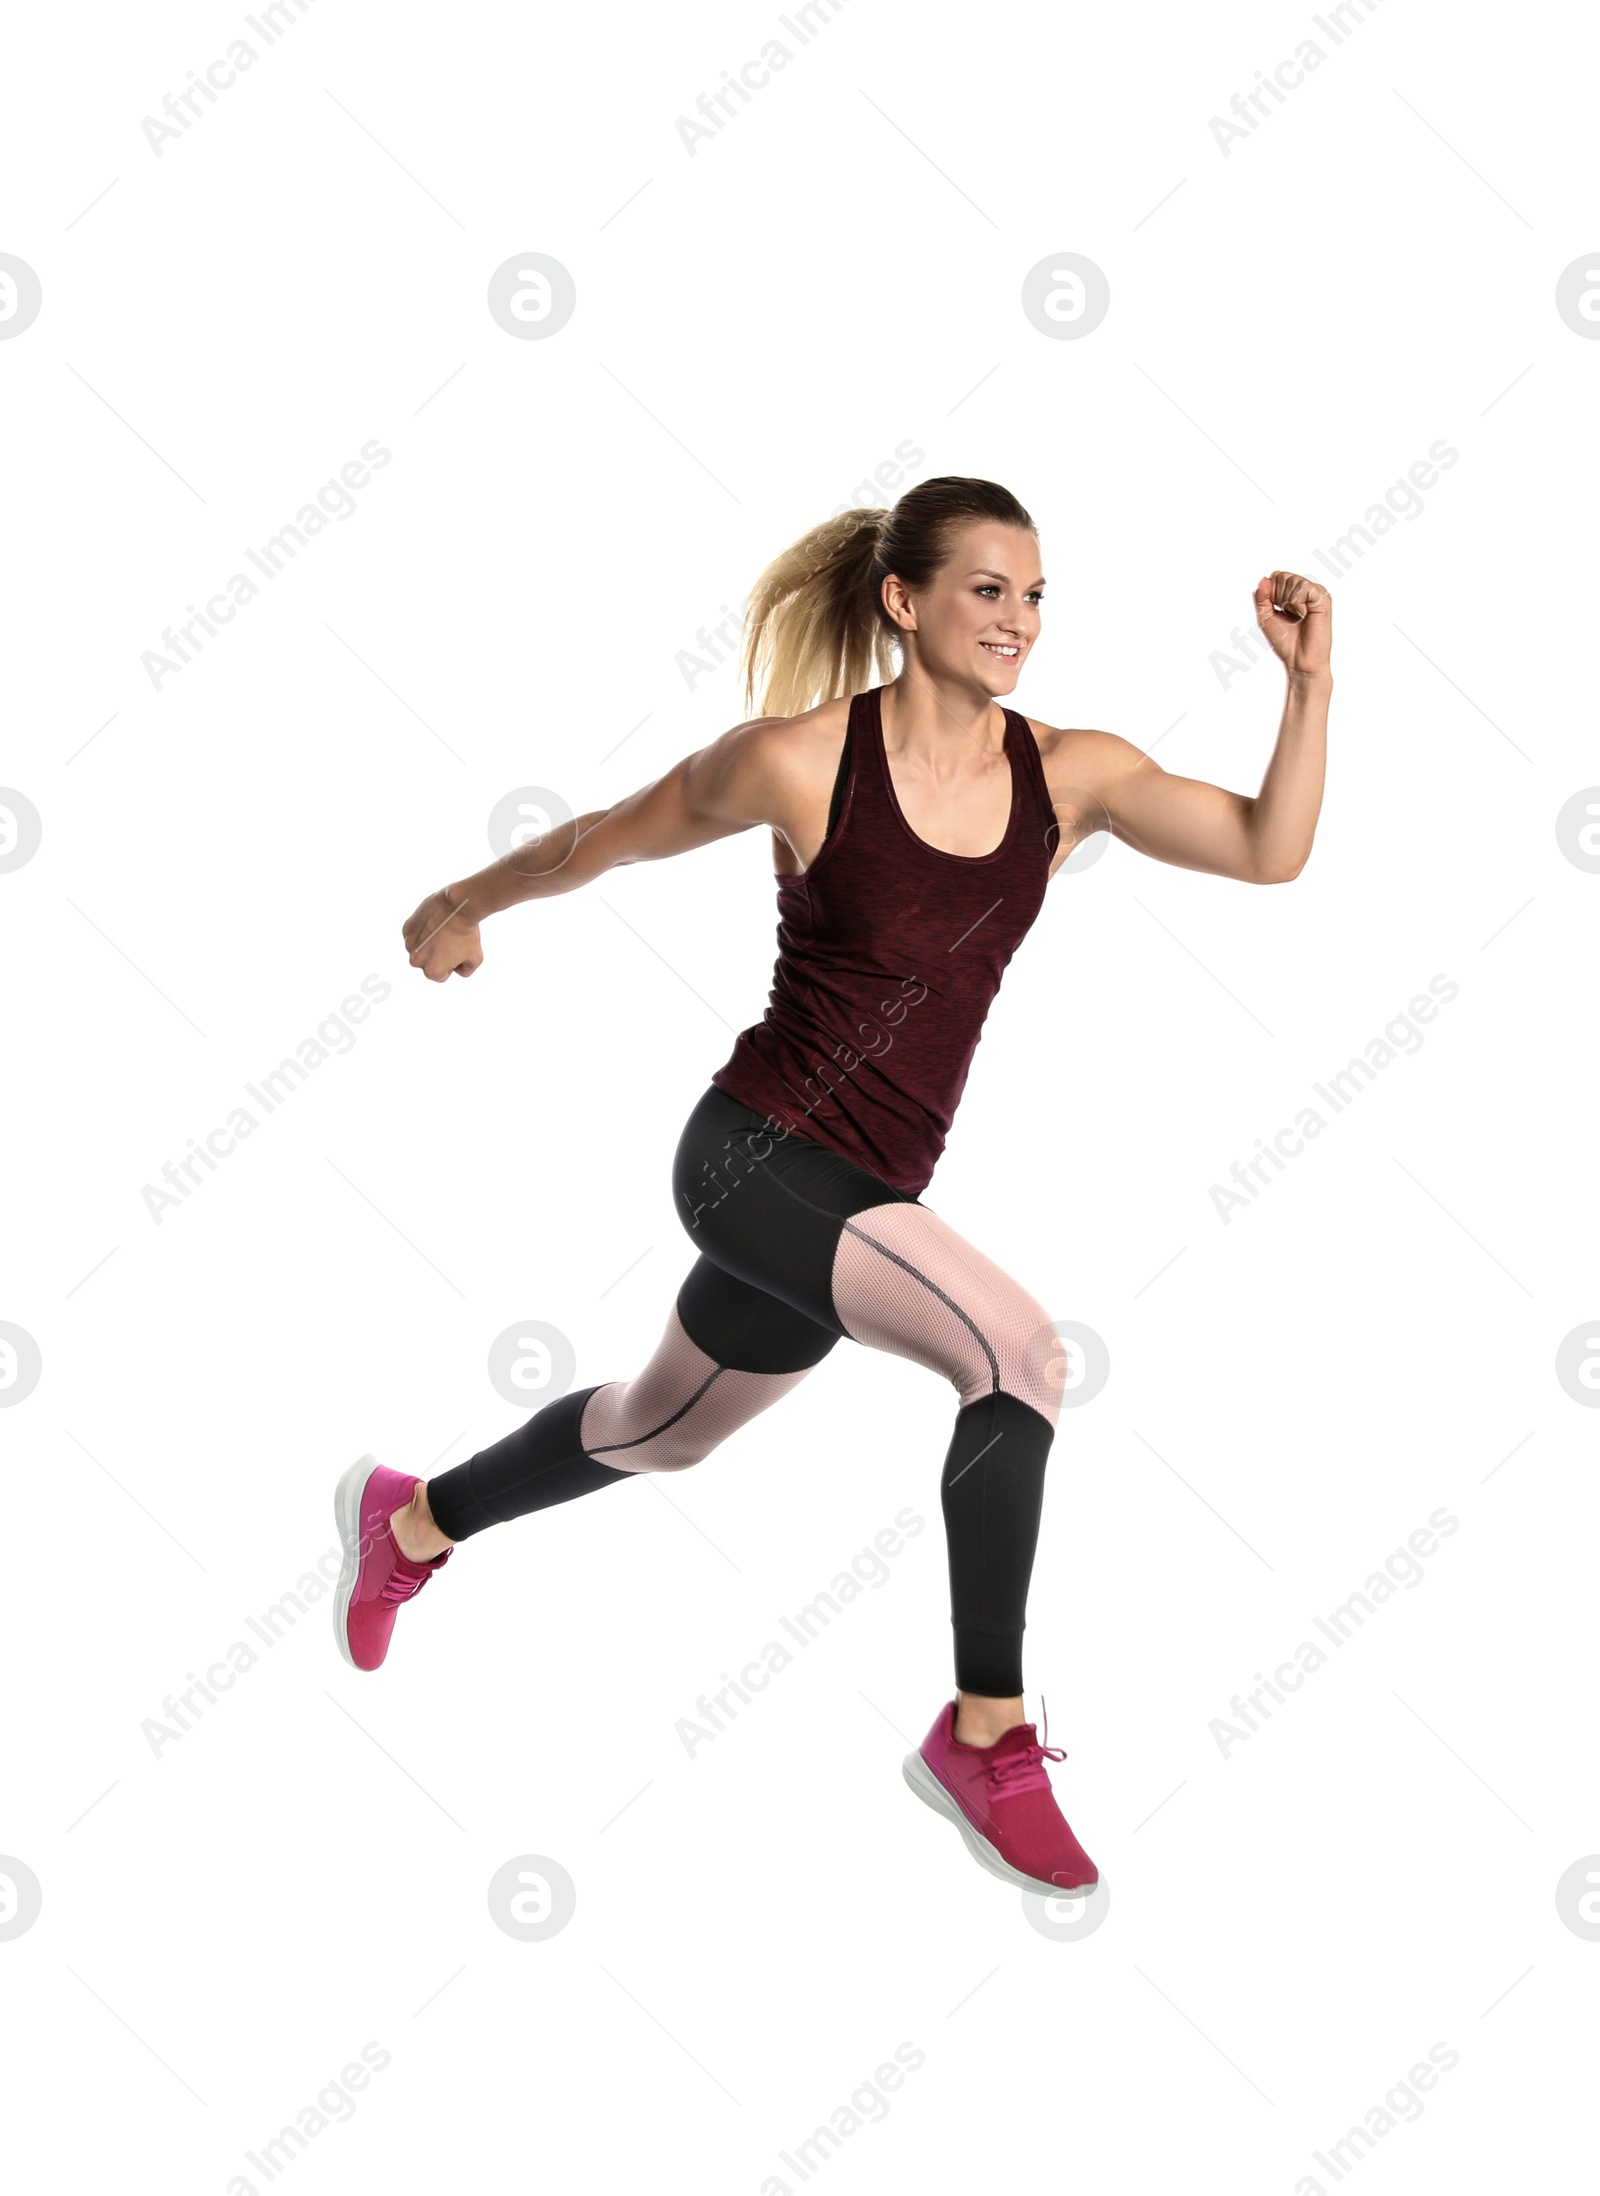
[[915, 824]]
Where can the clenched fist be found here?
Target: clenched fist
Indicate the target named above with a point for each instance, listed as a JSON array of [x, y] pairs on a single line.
[[1297, 617], [442, 937]]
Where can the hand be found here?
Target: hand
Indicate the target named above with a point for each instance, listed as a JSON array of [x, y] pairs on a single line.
[[441, 937], [1297, 617]]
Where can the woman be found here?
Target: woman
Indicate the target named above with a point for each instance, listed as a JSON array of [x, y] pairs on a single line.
[[915, 825]]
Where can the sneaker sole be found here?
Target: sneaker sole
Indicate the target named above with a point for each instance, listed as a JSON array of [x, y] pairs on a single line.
[[933, 1794], [347, 1515]]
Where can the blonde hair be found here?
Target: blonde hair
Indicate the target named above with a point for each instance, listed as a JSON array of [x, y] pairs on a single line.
[[815, 626]]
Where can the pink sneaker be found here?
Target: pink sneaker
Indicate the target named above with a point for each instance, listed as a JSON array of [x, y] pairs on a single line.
[[376, 1577], [999, 1798]]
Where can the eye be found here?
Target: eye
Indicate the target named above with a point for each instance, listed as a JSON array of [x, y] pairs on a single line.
[[987, 587]]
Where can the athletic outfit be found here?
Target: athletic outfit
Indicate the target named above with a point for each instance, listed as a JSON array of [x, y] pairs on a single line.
[[798, 1178], [889, 953]]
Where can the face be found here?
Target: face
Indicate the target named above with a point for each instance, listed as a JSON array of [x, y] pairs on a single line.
[[979, 616]]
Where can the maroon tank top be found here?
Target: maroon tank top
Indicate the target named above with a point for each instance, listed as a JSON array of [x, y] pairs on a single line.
[[889, 954]]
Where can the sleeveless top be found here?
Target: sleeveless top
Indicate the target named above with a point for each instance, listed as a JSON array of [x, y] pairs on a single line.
[[889, 954]]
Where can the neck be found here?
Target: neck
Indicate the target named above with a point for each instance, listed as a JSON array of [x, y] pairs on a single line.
[[939, 718]]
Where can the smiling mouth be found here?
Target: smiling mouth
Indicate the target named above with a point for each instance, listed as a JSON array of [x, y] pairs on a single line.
[[1007, 654]]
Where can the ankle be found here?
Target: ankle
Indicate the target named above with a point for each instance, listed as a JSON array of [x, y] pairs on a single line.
[[416, 1535], [981, 1718]]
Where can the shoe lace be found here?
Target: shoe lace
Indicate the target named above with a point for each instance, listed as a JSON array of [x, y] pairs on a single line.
[[1023, 1769], [406, 1577]]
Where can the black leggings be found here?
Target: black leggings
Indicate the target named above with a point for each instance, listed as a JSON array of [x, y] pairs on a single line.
[[798, 1247]]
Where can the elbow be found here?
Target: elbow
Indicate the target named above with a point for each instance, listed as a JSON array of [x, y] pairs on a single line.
[[1271, 854], [1280, 872]]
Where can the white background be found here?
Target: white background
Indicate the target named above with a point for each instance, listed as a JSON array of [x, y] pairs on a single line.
[[759, 323]]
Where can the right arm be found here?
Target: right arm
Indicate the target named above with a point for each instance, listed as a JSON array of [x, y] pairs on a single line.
[[740, 780]]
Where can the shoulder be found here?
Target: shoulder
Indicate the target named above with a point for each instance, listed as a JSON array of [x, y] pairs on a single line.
[[793, 751], [769, 770], [820, 727], [1088, 759]]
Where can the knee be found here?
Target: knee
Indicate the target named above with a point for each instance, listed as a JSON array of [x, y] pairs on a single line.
[[1012, 1348], [663, 1453], [623, 1427], [1036, 1372], [613, 1434]]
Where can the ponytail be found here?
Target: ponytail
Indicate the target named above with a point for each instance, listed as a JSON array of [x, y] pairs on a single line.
[[815, 625]]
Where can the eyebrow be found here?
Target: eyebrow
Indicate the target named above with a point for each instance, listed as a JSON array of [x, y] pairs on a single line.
[[984, 573]]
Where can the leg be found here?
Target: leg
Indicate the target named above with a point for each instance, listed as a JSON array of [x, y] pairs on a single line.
[[729, 1352], [842, 1246], [904, 1280]]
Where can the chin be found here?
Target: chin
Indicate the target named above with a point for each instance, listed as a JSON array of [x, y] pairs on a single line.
[[1000, 676]]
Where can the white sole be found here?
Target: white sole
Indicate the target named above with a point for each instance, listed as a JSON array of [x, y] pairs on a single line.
[[929, 1790], [347, 1515]]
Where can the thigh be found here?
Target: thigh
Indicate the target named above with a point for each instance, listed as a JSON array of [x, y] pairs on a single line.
[[859, 1257], [904, 1280], [768, 1208], [729, 1352], [746, 1328]]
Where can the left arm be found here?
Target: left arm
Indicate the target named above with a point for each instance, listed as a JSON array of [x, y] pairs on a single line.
[[1263, 838]]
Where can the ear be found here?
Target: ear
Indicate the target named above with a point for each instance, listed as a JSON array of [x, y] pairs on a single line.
[[897, 601]]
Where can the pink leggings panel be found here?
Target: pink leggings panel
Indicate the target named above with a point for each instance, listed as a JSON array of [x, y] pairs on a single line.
[[677, 1410], [904, 1280]]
